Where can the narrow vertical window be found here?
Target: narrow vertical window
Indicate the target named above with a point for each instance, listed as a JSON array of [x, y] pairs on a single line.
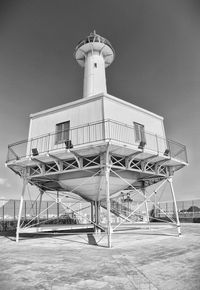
[[95, 64], [139, 132], [62, 132]]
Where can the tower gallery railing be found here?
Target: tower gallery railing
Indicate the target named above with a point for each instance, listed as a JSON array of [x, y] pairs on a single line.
[[92, 133]]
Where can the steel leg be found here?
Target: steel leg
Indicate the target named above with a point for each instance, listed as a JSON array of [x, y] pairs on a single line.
[[40, 206], [175, 206], [107, 177], [20, 209]]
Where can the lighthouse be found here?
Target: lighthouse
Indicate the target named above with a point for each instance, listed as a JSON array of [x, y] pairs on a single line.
[[96, 148], [95, 53]]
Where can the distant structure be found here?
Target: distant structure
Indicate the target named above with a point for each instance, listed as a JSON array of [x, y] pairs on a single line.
[[97, 147]]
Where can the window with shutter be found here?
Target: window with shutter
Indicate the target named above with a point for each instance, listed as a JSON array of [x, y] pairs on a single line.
[[62, 132], [139, 132]]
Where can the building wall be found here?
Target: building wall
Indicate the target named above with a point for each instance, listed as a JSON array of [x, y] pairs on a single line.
[[95, 109], [127, 113], [80, 114], [123, 112]]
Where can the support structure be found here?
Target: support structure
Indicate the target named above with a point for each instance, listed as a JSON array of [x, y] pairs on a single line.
[[175, 206], [107, 174], [97, 215], [92, 212], [146, 203], [58, 205], [93, 149], [20, 208], [106, 167], [40, 206]]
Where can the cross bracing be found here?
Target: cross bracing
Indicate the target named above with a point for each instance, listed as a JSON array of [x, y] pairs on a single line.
[[59, 166]]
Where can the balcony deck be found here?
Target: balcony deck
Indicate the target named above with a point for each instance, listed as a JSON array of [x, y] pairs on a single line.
[[91, 139]]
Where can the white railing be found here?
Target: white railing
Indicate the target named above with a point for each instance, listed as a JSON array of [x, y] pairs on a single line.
[[95, 132]]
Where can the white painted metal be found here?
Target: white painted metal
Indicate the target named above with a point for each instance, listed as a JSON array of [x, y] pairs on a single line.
[[146, 204], [147, 198], [94, 54], [40, 204], [175, 206], [20, 208], [107, 175]]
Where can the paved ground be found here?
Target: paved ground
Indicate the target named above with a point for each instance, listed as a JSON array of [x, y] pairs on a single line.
[[136, 261]]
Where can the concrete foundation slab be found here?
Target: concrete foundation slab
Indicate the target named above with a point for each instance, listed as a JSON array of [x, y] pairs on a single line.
[[137, 260]]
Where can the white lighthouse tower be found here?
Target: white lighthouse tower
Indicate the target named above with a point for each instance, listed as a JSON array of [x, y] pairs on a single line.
[[95, 53], [97, 148]]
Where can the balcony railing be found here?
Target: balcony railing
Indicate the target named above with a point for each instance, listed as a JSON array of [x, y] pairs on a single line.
[[96, 132]]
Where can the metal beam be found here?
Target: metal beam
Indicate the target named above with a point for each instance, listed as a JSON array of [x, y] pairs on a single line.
[[40, 205], [175, 206], [131, 157], [20, 208], [107, 176], [141, 204]]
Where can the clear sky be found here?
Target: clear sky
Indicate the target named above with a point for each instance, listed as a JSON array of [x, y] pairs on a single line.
[[157, 67]]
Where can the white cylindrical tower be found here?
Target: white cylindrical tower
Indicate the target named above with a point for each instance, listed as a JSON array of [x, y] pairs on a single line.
[[94, 53]]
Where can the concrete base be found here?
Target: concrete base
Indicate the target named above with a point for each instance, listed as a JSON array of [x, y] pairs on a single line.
[[147, 261]]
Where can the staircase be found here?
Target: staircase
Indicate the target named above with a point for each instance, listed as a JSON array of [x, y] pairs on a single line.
[[122, 211]]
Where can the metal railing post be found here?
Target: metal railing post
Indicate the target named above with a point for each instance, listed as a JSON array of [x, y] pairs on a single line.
[[109, 134], [157, 143], [48, 142], [89, 133]]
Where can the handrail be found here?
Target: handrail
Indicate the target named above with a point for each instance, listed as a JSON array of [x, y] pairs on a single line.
[[95, 132]]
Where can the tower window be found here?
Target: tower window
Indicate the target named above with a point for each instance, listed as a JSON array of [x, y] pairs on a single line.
[[95, 64], [62, 132], [139, 132]]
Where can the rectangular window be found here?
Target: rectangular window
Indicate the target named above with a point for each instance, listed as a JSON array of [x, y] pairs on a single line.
[[62, 132], [139, 132]]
